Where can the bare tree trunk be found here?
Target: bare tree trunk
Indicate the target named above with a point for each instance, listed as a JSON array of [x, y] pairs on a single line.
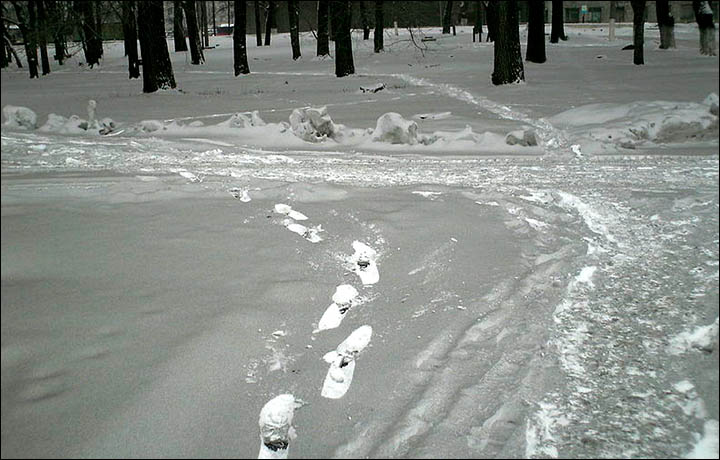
[[239, 46], [130, 38], [478, 29], [157, 68], [28, 34], [269, 21], [42, 36], [508, 65], [57, 19], [447, 17], [491, 19], [666, 23], [204, 22], [340, 18], [638, 7], [4, 57], [323, 40], [536, 32], [196, 53], [365, 20], [558, 27], [97, 36], [178, 29], [379, 24], [294, 20], [258, 23], [704, 19], [214, 21]]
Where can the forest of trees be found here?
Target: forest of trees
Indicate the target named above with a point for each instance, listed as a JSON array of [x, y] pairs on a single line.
[[80, 26]]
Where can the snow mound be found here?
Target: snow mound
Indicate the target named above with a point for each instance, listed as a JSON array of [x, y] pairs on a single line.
[[150, 126], [712, 101], [243, 120], [312, 124], [524, 137], [19, 117], [275, 422], [394, 129], [76, 125], [703, 338], [606, 128]]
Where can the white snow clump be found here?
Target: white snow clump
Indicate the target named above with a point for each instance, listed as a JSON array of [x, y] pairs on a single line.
[[394, 129], [243, 120], [312, 124], [19, 117], [712, 101], [524, 137]]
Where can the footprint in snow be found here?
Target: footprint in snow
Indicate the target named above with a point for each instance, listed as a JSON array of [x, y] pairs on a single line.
[[276, 430], [343, 299], [363, 263], [342, 363]]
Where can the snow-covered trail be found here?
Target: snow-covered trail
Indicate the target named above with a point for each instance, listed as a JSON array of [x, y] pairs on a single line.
[[489, 342]]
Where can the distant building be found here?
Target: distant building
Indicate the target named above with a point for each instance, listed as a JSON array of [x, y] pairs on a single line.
[[599, 11]]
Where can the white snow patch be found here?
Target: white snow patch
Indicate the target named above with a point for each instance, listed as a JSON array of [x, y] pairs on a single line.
[[363, 263], [19, 117], [394, 129], [276, 427], [701, 338], [706, 446]]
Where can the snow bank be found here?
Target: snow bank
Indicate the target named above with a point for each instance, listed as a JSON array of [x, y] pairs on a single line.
[[606, 128], [707, 445], [243, 120], [76, 125], [394, 129], [312, 124], [19, 117]]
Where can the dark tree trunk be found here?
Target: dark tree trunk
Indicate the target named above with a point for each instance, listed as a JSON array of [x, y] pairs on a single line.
[[447, 17], [213, 19], [88, 32], [196, 52], [638, 7], [97, 36], [558, 28], [157, 69], [379, 23], [704, 19], [323, 40], [478, 29], [239, 46], [258, 23], [28, 35], [294, 20], [365, 21], [269, 21], [130, 38], [42, 36], [340, 18], [57, 19], [508, 65], [204, 23], [4, 57], [536, 32], [178, 29], [666, 23], [491, 19]]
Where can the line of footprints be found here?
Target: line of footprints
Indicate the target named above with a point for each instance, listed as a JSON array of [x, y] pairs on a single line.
[[276, 416]]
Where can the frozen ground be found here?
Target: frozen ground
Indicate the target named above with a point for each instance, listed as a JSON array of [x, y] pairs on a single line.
[[557, 300]]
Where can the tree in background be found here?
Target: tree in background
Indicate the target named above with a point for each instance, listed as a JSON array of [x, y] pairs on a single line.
[[42, 33], [269, 21], [86, 14], [666, 23], [294, 20], [178, 27], [26, 24], [638, 7], [447, 17], [508, 65], [365, 21], [240, 61], [536, 32], [323, 37], [490, 19], [379, 22], [258, 23], [340, 23], [130, 37], [157, 68], [704, 19], [4, 55], [204, 24], [196, 53], [478, 27], [558, 27]]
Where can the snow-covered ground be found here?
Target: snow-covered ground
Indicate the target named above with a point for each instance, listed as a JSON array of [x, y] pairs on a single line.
[[537, 263]]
